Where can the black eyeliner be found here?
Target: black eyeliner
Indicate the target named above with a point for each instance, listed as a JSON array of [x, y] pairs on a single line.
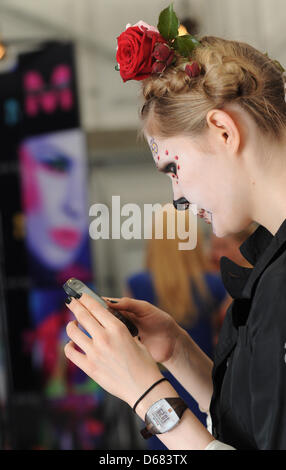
[[167, 168]]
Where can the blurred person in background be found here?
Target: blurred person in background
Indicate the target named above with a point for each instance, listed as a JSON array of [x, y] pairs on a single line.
[[180, 282]]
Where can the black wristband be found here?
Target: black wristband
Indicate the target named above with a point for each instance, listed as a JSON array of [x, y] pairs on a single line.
[[147, 391]]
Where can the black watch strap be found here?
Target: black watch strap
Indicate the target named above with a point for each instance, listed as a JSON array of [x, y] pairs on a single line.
[[176, 403]]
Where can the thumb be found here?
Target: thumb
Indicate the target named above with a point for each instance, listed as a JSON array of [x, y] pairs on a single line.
[[128, 304]]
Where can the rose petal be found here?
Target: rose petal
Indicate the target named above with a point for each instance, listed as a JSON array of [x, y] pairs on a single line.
[[170, 58], [146, 25], [161, 52], [158, 67], [193, 70]]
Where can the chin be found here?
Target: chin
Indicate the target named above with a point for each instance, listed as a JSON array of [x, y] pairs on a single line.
[[222, 229]]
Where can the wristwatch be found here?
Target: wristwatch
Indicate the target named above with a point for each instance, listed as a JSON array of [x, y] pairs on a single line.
[[163, 416]]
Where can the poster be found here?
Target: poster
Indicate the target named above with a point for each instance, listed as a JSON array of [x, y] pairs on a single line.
[[44, 241]]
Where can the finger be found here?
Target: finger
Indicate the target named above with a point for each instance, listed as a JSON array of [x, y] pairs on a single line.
[[78, 358], [130, 305], [78, 337], [111, 298], [85, 318], [101, 314]]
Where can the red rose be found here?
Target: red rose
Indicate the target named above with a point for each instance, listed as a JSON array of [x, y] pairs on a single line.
[[158, 67], [193, 70], [161, 52], [134, 53], [170, 58]]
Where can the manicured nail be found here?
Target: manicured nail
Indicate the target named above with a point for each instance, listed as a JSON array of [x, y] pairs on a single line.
[[114, 301], [78, 296], [68, 300]]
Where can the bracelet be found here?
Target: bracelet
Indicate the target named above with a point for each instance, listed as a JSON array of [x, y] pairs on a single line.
[[147, 391]]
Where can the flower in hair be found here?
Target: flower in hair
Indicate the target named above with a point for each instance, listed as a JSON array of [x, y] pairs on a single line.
[[134, 52], [143, 50], [164, 56], [193, 69]]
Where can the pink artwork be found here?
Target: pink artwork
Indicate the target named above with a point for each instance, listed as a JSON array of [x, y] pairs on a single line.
[[48, 97]]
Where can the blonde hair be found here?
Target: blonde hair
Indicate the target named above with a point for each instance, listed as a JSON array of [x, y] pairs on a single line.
[[231, 71], [173, 270]]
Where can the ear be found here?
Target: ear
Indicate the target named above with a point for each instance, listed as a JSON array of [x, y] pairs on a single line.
[[224, 128]]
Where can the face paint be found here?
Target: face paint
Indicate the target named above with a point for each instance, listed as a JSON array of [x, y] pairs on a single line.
[[154, 147]]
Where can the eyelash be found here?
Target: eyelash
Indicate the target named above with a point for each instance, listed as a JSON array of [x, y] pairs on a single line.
[[172, 167]]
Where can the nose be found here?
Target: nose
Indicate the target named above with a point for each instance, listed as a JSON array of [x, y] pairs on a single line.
[[181, 204]]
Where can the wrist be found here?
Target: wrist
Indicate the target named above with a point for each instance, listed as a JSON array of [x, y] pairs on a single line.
[[162, 390], [182, 339]]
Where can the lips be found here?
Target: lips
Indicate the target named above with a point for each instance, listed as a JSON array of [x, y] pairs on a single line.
[[206, 215], [64, 237]]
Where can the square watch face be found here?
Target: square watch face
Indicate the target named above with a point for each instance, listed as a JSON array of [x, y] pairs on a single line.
[[162, 415]]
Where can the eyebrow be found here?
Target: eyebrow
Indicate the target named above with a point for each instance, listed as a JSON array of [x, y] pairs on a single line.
[[167, 167]]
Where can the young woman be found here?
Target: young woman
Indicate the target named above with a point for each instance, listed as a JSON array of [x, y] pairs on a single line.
[[218, 126], [180, 282]]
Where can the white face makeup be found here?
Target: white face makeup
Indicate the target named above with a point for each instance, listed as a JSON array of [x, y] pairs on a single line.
[[172, 161], [215, 182]]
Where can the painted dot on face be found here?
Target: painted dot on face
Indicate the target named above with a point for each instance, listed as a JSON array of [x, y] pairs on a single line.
[[167, 153], [178, 167], [154, 146], [158, 157], [176, 157]]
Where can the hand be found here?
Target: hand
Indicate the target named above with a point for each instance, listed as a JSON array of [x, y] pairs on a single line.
[[158, 330], [114, 359]]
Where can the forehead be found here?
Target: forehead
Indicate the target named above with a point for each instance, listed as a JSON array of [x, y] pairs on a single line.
[[166, 146], [157, 143]]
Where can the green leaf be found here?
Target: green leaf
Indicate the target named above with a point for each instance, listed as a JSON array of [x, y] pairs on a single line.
[[168, 24], [185, 44], [276, 62]]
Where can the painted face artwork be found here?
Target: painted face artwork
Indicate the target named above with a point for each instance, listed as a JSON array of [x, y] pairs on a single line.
[[176, 165], [54, 198], [155, 152]]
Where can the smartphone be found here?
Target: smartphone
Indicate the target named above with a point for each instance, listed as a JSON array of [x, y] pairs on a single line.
[[74, 286]]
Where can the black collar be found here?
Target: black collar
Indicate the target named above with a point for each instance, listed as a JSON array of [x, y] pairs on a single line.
[[259, 249]]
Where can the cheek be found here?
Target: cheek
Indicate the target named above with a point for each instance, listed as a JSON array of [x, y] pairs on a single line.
[[31, 197]]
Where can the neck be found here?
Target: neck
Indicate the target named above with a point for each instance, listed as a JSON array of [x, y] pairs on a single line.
[[269, 194]]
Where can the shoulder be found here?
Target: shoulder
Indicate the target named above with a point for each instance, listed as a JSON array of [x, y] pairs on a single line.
[[139, 277], [269, 302], [273, 280], [141, 286]]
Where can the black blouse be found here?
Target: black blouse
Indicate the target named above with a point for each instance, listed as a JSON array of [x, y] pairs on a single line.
[[248, 406]]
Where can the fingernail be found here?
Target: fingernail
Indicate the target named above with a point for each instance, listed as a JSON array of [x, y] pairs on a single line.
[[68, 300], [112, 301], [78, 296]]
